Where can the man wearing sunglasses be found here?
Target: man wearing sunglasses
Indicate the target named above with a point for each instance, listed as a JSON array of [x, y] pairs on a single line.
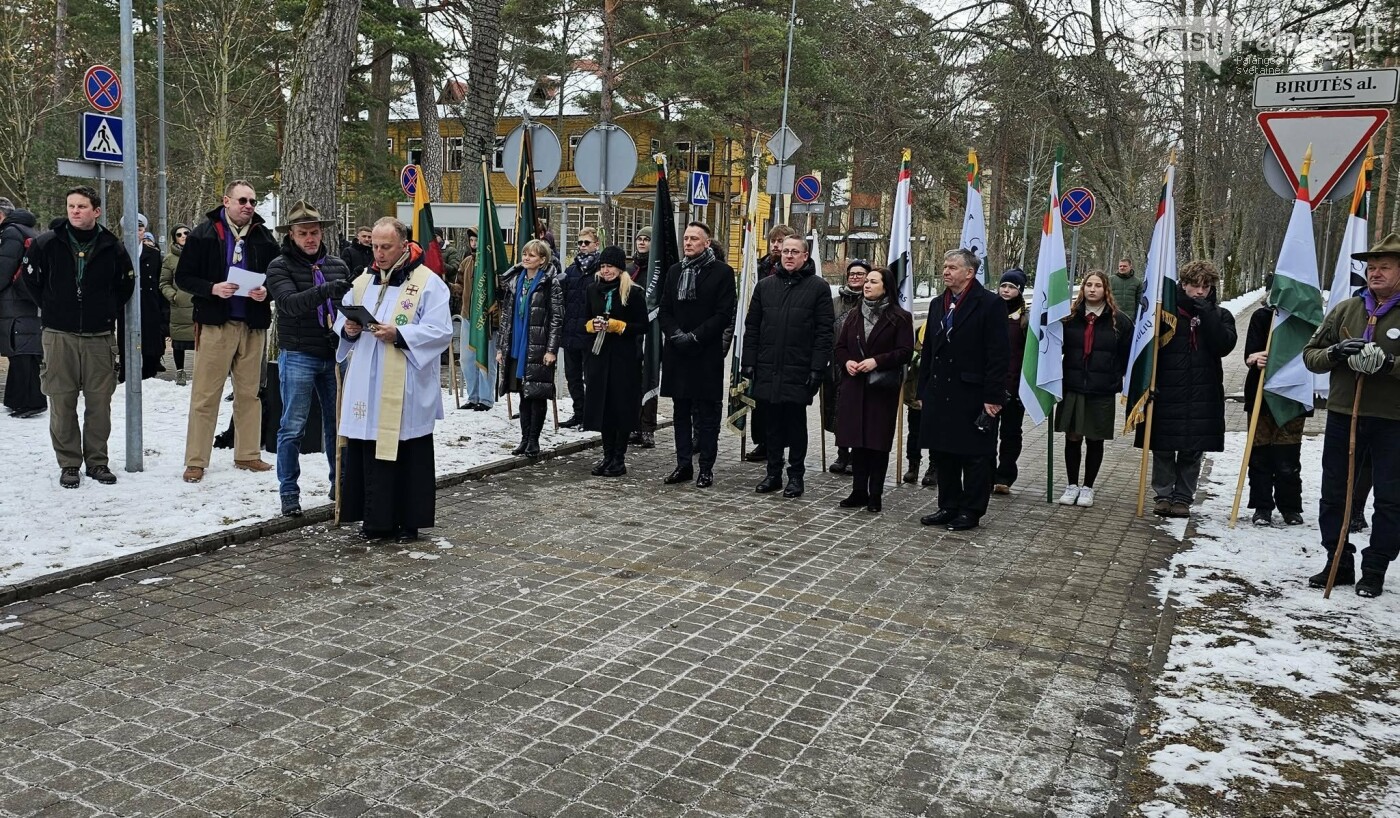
[[230, 329], [577, 277]]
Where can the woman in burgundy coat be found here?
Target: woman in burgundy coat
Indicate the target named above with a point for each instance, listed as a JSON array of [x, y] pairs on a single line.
[[876, 341]]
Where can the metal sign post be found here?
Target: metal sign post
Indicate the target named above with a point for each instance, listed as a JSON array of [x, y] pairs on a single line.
[[135, 454]]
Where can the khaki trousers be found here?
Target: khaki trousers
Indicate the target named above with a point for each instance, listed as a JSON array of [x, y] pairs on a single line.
[[223, 349], [72, 364]]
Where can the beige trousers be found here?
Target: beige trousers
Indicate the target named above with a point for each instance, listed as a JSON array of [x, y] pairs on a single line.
[[224, 349], [74, 364]]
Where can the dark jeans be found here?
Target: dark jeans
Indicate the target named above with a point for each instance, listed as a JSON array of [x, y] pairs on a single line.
[[786, 431], [869, 467], [1010, 430], [299, 376], [1276, 478], [647, 421], [573, 375], [697, 431], [912, 452], [1381, 440], [1175, 476], [964, 483], [178, 349]]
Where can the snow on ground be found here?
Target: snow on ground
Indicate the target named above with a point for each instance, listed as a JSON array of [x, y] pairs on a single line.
[[45, 528], [1273, 700], [1240, 303]]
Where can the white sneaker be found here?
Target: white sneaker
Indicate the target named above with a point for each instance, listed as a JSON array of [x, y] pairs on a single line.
[[1086, 497], [1070, 496]]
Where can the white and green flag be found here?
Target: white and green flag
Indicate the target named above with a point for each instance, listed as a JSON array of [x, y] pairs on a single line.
[[1296, 298], [1155, 315], [1349, 275], [900, 226], [974, 228], [1042, 366]]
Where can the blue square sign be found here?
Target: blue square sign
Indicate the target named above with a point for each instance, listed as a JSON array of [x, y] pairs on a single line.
[[102, 138], [699, 187]]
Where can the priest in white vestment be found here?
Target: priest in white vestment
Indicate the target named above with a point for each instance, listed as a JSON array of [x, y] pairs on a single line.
[[393, 388]]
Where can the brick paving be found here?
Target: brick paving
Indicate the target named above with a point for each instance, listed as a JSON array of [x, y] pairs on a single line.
[[574, 646]]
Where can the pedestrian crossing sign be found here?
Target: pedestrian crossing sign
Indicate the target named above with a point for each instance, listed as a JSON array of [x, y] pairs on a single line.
[[699, 188], [102, 138]]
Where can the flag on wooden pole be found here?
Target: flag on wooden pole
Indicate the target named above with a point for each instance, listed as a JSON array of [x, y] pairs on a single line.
[[974, 228], [664, 254], [1349, 274], [1297, 302], [1155, 314], [740, 403], [900, 261], [490, 263], [1042, 365], [525, 209]]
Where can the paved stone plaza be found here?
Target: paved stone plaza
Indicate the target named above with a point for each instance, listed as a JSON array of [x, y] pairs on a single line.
[[578, 646]]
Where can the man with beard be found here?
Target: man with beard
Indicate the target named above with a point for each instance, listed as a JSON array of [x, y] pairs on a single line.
[[787, 348], [306, 283]]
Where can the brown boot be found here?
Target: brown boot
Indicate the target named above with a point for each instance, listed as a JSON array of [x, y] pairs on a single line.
[[194, 474], [252, 465]]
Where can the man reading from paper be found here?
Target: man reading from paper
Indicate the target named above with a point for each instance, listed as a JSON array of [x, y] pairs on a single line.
[[393, 388]]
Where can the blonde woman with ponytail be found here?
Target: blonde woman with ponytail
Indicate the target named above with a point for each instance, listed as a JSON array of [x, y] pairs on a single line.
[[616, 319]]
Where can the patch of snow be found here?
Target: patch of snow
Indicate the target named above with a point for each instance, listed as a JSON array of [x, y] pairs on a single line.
[[152, 580], [1256, 653], [5, 626], [1240, 303], [45, 528]]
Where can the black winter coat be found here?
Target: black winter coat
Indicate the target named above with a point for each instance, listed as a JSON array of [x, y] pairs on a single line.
[[204, 263], [546, 330], [788, 335], [615, 373], [291, 283], [20, 330], [577, 279], [1189, 405], [52, 279], [961, 370], [155, 310], [696, 372], [1102, 373], [357, 257]]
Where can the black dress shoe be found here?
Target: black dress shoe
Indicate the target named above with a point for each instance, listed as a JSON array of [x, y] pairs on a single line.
[[481, 407], [571, 422], [769, 484], [838, 466], [616, 468], [757, 454], [875, 505], [407, 535], [370, 534], [519, 450], [853, 501], [682, 474], [794, 487], [943, 516], [962, 522], [705, 480], [600, 467]]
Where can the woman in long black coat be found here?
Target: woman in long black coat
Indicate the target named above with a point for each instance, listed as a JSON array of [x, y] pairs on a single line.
[[527, 347], [876, 336], [617, 317]]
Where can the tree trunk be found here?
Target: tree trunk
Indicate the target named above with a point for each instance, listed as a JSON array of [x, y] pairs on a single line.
[[60, 48], [425, 92], [320, 73], [605, 108], [479, 124]]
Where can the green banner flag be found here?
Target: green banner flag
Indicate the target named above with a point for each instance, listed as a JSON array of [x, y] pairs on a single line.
[[490, 263]]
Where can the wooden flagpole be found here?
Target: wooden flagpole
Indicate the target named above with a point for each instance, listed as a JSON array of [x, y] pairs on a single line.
[[1253, 430], [452, 364], [1345, 527]]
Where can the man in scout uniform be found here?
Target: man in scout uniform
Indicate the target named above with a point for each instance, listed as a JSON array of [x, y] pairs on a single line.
[[1357, 344], [393, 388]]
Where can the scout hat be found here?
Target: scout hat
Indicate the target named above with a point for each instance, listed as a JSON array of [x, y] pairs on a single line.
[[303, 213], [1388, 246]]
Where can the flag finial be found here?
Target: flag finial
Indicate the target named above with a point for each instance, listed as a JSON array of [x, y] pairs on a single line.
[[1307, 160]]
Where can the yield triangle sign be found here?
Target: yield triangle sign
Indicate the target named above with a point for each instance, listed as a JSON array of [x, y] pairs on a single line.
[[1338, 139]]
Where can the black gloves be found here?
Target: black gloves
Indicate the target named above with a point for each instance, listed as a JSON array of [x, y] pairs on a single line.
[[814, 380], [684, 341], [1342, 350], [335, 290]]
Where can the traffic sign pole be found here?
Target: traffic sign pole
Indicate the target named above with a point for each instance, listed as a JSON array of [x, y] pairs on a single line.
[[135, 455]]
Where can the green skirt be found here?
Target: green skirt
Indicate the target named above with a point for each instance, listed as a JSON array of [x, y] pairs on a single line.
[[1091, 416]]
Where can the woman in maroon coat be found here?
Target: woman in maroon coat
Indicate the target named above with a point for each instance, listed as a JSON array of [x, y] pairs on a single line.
[[876, 341]]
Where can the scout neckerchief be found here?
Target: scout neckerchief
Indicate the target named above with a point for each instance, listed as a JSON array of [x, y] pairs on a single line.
[[81, 251], [1375, 310], [233, 239], [395, 374], [325, 311]]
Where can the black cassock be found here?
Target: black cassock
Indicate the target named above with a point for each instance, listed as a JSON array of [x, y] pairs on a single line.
[[389, 495]]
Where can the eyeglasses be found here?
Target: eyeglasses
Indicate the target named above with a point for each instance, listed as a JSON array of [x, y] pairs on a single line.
[[244, 200], [788, 251], [585, 243], [644, 238], [182, 234]]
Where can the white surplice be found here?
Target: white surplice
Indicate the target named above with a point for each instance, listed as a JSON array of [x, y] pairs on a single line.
[[427, 335]]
